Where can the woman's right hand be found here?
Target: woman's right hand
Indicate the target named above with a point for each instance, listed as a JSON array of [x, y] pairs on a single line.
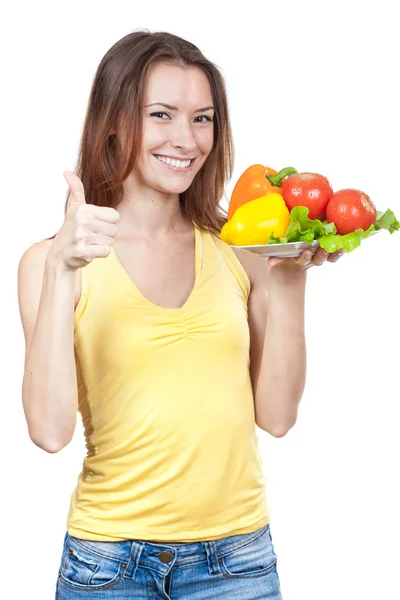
[[88, 230]]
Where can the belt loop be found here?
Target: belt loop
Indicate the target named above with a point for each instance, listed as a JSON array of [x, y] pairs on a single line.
[[212, 557], [136, 551]]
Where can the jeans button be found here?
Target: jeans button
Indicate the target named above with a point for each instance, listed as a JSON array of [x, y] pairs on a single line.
[[165, 556]]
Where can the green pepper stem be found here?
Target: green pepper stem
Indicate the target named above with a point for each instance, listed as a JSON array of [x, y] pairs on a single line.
[[276, 180]]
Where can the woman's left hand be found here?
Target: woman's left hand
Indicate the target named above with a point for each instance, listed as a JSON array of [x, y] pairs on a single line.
[[306, 260]]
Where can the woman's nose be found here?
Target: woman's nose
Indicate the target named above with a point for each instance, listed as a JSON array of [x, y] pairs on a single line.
[[183, 138]]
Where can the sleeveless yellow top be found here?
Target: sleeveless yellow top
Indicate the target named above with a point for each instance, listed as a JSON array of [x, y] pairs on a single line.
[[167, 407]]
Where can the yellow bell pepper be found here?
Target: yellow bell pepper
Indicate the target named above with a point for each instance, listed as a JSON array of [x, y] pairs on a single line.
[[255, 221]]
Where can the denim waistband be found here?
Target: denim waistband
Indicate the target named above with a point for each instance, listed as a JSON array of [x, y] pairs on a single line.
[[147, 553]]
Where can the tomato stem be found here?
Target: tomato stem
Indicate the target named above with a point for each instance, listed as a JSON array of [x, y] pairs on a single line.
[[276, 180]]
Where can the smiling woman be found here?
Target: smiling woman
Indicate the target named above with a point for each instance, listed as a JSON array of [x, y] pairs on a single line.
[[182, 128], [155, 354], [167, 72]]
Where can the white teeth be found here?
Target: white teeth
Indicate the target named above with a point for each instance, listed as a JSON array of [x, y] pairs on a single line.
[[174, 163]]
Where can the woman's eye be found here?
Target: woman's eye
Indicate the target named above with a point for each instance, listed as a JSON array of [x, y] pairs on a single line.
[[205, 117], [155, 114]]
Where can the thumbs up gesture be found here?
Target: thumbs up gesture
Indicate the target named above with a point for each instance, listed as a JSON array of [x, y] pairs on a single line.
[[88, 230]]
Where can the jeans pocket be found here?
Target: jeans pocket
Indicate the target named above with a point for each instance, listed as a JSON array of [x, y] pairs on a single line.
[[83, 567], [251, 559]]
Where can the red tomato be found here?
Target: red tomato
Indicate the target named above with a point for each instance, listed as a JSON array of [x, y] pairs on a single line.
[[307, 189], [349, 210]]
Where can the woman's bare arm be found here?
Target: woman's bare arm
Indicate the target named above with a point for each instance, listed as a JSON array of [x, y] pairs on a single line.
[[46, 296]]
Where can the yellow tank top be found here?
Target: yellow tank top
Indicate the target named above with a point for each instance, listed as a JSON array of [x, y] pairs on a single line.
[[167, 407]]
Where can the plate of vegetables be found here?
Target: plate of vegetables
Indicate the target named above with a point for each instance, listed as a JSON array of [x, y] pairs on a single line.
[[284, 213]]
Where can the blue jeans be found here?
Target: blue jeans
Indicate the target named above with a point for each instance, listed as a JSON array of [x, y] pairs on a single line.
[[239, 567]]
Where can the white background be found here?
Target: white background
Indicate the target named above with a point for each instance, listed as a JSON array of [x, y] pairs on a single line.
[[313, 85]]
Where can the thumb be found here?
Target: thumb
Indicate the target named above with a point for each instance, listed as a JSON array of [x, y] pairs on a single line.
[[77, 193]]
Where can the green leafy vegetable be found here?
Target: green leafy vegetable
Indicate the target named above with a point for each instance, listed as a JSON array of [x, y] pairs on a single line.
[[303, 229], [388, 221]]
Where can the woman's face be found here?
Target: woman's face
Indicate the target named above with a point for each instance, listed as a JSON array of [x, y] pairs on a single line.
[[184, 132]]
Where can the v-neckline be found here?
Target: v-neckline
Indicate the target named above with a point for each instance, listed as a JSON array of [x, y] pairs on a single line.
[[198, 260]]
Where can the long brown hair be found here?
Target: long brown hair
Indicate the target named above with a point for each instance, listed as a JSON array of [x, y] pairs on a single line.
[[115, 105]]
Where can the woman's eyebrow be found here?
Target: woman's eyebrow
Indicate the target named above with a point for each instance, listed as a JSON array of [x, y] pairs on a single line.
[[176, 108]]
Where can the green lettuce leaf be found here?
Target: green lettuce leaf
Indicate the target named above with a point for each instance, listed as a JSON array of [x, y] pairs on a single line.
[[387, 221], [303, 229]]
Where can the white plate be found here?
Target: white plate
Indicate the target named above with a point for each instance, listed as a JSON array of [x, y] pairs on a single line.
[[289, 250]]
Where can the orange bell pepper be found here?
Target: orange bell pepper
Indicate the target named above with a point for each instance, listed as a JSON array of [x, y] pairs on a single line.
[[254, 183]]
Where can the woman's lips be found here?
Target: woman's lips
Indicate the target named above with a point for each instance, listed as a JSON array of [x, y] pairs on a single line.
[[176, 169]]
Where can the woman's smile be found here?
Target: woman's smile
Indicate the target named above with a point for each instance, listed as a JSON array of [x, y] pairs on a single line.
[[175, 168]]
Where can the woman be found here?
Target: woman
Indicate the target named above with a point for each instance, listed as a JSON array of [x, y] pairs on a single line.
[[163, 344]]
